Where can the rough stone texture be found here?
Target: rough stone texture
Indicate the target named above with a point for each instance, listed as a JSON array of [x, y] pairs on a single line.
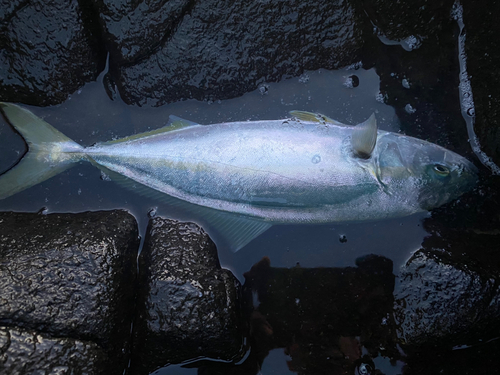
[[133, 29], [482, 47], [47, 50], [188, 307], [28, 352], [70, 275], [222, 49], [436, 301], [448, 293]]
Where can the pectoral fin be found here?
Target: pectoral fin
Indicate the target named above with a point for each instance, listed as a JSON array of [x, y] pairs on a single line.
[[364, 138]]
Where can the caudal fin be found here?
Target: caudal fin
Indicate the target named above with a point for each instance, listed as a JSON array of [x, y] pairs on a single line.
[[49, 151]]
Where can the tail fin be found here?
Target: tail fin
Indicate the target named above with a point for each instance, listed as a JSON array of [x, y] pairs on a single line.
[[49, 151]]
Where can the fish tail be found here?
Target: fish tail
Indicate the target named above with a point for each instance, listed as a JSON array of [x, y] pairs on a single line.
[[49, 151]]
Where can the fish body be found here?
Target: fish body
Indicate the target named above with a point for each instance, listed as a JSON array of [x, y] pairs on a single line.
[[246, 176]]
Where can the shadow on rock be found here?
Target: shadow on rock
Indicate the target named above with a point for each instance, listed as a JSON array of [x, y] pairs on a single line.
[[326, 319]]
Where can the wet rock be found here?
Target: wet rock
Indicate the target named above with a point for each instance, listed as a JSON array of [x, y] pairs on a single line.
[[421, 86], [29, 352], [188, 306], [323, 317], [47, 50], [437, 301], [222, 49], [70, 275], [482, 47], [132, 30], [409, 22], [464, 360], [448, 293]]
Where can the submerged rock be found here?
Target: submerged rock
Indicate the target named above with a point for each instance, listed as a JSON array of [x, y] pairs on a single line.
[[47, 50], [325, 318], [188, 307], [29, 352], [70, 275]]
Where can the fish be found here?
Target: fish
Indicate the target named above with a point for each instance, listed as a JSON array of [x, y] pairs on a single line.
[[244, 177]]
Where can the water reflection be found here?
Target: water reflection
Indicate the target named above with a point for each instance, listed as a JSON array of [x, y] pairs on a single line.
[[305, 319], [89, 117]]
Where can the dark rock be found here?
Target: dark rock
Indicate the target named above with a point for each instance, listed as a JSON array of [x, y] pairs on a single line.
[[47, 50], [29, 352], [422, 84], [482, 48], [441, 302], [410, 21], [448, 293], [322, 316], [188, 306], [135, 29], [222, 49], [480, 359], [70, 275]]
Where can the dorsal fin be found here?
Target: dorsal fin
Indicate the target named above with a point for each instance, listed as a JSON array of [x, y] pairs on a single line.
[[174, 123], [180, 122], [364, 137], [315, 117]]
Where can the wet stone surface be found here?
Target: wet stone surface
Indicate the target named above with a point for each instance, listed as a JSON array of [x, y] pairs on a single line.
[[401, 21], [482, 47], [47, 50], [223, 49], [29, 352], [188, 306], [437, 301], [448, 292], [70, 275]]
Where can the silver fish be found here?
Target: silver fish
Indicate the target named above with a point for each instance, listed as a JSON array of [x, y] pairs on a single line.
[[244, 177]]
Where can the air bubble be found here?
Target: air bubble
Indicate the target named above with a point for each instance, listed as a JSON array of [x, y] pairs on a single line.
[[410, 109], [471, 111], [343, 238], [264, 89], [152, 212], [304, 78], [380, 97], [316, 159], [405, 83], [351, 82], [364, 369], [411, 43]]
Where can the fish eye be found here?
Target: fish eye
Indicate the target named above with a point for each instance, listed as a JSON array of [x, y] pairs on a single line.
[[441, 170]]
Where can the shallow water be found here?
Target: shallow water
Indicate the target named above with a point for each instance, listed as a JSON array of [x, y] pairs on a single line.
[[89, 116]]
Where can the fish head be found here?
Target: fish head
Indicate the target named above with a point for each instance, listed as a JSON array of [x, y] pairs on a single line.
[[431, 174]]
